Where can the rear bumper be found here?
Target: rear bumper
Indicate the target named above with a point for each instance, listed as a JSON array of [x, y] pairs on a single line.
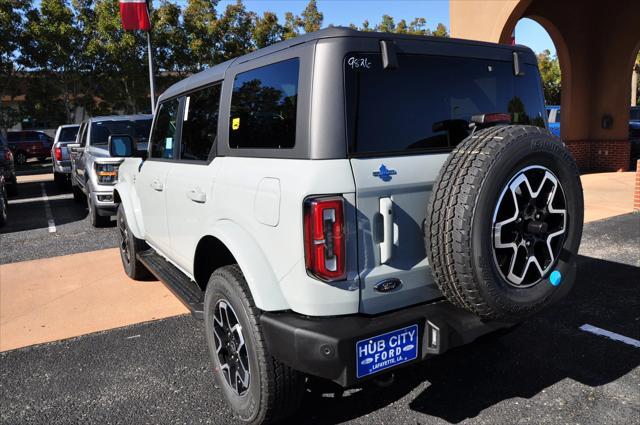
[[62, 167], [325, 347]]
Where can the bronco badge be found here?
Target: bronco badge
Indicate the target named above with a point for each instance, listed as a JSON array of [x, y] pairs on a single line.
[[384, 173]]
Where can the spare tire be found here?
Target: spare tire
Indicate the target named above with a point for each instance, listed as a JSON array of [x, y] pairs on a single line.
[[504, 222]]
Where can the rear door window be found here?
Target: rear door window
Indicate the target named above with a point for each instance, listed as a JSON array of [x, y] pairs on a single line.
[[263, 107], [200, 123], [428, 101], [163, 137], [68, 134]]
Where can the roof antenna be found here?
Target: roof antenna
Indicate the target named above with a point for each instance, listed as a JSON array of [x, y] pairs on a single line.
[[389, 55]]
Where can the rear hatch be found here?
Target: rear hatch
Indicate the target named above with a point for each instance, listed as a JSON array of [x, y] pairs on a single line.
[[402, 123]]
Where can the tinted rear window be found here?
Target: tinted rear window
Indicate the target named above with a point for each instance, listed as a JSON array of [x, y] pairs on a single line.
[[137, 129], [68, 134], [428, 101], [263, 107]]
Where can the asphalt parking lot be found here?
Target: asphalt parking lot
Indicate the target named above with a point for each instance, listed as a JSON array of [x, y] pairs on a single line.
[[546, 370], [28, 235]]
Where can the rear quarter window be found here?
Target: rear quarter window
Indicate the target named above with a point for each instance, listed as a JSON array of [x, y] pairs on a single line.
[[263, 107], [428, 101]]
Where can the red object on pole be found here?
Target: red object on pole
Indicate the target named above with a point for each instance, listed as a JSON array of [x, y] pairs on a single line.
[[134, 15]]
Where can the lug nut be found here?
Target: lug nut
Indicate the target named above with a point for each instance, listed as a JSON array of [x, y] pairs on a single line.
[[537, 216], [528, 243]]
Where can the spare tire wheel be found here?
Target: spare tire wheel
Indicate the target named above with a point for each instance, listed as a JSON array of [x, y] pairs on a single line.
[[504, 222]]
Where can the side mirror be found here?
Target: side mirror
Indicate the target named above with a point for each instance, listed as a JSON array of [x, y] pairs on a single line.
[[74, 147], [121, 146]]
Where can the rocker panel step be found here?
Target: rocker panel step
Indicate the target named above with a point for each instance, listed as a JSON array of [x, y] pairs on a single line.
[[182, 287]]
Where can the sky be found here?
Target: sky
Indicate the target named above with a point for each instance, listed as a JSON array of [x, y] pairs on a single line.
[[345, 12]]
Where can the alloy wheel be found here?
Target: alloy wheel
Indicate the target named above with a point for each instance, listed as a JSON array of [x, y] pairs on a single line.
[[231, 348], [529, 226], [124, 239]]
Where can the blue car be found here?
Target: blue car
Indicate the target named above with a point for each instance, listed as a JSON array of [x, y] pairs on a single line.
[[553, 116]]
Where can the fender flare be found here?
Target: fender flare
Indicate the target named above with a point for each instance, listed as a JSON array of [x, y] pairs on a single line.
[[263, 284], [128, 201]]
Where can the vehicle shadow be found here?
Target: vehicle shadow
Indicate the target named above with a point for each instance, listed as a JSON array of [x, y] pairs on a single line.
[[33, 167], [534, 356], [27, 210]]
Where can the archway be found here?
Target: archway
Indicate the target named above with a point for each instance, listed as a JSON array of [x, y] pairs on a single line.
[[596, 45]]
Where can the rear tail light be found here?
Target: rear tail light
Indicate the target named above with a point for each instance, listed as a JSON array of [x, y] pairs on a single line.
[[324, 241], [58, 153]]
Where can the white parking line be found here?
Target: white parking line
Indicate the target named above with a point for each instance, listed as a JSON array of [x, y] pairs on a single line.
[[41, 199], [612, 335], [47, 210]]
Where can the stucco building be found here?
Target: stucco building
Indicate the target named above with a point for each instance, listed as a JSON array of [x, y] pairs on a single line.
[[597, 44]]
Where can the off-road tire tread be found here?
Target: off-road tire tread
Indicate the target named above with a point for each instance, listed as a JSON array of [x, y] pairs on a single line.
[[138, 270], [284, 386], [451, 209]]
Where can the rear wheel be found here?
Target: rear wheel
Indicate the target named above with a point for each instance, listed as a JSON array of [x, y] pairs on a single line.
[[21, 158], [130, 247], [259, 388], [504, 222]]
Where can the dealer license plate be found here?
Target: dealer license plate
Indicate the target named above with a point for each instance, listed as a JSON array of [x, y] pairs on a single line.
[[387, 350]]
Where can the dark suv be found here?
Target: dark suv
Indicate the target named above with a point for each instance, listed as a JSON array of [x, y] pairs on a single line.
[[29, 144], [6, 167]]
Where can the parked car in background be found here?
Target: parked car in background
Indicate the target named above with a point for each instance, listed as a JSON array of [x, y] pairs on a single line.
[[7, 168], [60, 159], [553, 116], [93, 171], [3, 202], [29, 144]]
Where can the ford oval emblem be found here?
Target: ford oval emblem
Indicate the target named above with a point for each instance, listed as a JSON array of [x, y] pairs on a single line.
[[387, 285]]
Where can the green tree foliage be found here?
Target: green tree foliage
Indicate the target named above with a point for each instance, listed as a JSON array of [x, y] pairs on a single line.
[[12, 14], [551, 77], [311, 18], [418, 26], [77, 54]]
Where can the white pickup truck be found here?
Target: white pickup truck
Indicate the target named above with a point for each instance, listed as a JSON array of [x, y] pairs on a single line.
[[343, 204]]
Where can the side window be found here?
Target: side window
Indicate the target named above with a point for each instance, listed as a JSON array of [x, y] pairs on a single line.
[[263, 107], [200, 123], [163, 134]]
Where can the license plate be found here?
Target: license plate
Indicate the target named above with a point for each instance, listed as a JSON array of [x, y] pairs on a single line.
[[387, 350]]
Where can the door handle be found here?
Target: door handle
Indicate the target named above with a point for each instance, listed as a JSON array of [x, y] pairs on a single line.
[[386, 246], [156, 185], [197, 195]]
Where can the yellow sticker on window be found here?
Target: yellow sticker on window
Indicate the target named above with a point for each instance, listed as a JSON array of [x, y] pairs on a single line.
[[235, 124]]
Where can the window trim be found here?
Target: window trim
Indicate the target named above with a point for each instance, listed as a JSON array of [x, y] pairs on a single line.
[[295, 135], [178, 133], [213, 151], [305, 53]]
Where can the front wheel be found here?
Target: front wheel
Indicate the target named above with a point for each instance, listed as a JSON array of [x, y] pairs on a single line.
[[95, 218], [130, 247], [257, 387]]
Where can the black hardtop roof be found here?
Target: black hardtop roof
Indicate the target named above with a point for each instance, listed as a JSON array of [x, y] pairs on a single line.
[[218, 71]]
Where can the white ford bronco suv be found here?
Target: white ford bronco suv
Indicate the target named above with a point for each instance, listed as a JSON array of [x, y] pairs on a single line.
[[345, 203]]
